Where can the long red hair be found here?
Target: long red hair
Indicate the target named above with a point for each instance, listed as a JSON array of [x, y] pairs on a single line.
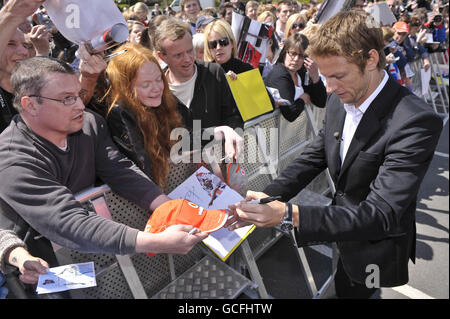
[[155, 123]]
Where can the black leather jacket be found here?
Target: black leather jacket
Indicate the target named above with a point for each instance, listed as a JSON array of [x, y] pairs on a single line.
[[126, 134]]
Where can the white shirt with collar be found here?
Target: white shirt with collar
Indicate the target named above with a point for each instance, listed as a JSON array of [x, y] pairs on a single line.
[[354, 116]]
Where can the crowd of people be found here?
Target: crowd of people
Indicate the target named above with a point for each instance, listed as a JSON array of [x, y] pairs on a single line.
[[69, 120]]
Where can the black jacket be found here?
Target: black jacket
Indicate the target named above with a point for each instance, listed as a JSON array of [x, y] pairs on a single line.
[[281, 79], [372, 217], [126, 134], [236, 65], [213, 102], [7, 110]]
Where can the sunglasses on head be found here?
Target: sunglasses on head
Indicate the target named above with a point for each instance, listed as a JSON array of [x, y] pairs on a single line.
[[223, 43], [299, 25]]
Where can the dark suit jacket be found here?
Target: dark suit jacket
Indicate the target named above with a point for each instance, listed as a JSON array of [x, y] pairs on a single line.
[[372, 217], [281, 79]]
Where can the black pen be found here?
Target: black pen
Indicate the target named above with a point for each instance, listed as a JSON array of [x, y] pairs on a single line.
[[264, 200]]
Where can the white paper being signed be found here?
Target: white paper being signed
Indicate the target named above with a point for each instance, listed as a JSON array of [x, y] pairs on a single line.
[[207, 190], [73, 276]]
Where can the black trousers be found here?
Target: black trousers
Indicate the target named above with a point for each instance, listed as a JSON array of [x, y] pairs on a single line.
[[348, 289]]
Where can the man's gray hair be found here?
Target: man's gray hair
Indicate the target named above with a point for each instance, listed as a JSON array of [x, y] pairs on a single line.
[[30, 76]]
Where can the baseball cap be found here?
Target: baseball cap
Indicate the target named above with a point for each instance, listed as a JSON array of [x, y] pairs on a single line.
[[401, 26], [184, 212], [203, 20]]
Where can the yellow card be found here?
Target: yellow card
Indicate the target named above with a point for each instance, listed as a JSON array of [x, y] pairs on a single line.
[[250, 94]]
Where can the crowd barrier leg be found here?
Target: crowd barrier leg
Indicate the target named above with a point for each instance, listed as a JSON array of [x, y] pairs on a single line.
[[307, 196], [101, 208], [439, 81], [253, 270]]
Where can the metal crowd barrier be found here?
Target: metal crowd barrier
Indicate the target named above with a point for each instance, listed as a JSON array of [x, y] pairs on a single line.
[[200, 274], [437, 93]]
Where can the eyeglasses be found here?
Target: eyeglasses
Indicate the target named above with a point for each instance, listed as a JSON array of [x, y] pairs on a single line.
[[223, 43], [294, 55], [299, 25], [67, 101]]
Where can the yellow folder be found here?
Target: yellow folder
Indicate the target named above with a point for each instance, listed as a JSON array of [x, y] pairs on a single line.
[[250, 94]]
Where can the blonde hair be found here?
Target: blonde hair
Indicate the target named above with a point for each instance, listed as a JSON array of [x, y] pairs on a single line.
[[292, 19], [310, 30], [224, 30], [139, 6], [263, 16]]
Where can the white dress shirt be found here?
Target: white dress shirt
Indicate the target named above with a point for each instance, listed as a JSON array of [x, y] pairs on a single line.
[[354, 116]]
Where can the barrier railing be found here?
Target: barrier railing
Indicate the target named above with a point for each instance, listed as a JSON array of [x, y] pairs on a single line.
[[437, 93], [138, 276]]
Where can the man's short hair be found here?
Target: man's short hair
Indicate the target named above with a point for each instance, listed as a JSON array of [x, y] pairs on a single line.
[[30, 76], [223, 8], [283, 2], [350, 34], [183, 2], [172, 29], [251, 4]]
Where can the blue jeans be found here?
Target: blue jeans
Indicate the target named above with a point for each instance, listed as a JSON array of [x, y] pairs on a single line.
[[3, 290]]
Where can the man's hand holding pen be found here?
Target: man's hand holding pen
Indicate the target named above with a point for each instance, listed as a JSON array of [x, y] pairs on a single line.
[[267, 213]]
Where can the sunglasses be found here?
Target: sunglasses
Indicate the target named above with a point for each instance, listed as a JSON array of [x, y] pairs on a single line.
[[223, 43], [300, 25]]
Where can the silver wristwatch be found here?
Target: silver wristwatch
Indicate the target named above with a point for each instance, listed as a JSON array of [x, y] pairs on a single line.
[[287, 224]]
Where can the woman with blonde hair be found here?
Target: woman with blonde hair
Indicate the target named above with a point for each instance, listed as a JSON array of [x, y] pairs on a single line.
[[135, 29], [140, 9], [142, 111], [295, 23], [220, 47], [267, 17]]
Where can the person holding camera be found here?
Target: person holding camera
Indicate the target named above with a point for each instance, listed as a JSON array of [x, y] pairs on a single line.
[[436, 25]]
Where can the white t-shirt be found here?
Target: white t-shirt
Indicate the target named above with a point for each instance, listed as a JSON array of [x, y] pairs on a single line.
[[185, 91]]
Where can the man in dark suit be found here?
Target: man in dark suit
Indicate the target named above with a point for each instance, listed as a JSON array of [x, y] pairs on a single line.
[[377, 142]]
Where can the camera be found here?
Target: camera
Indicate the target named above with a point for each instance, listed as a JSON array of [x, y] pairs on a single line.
[[438, 18], [44, 19]]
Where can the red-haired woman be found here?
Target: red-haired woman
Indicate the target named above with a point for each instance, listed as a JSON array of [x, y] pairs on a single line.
[[142, 110]]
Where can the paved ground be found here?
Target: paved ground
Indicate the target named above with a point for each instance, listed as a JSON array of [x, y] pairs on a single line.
[[429, 276]]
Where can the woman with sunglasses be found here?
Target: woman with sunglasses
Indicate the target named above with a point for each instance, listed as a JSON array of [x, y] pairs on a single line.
[[295, 23], [221, 48], [289, 77], [142, 110]]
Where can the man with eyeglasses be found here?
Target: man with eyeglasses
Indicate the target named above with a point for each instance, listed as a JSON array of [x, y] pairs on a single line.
[[56, 148], [200, 87]]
